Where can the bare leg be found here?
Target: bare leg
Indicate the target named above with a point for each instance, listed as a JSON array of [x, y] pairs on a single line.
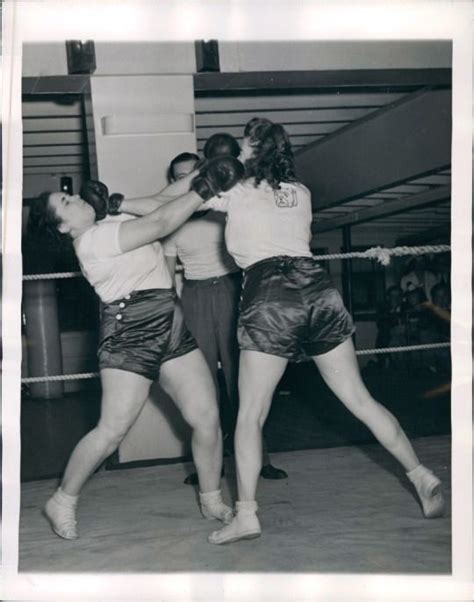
[[123, 396], [258, 378], [340, 371], [188, 381]]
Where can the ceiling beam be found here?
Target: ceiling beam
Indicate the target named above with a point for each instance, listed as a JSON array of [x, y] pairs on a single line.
[[408, 139], [318, 81], [429, 197], [55, 84]]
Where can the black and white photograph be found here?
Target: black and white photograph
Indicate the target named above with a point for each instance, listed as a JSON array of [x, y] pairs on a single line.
[[240, 281]]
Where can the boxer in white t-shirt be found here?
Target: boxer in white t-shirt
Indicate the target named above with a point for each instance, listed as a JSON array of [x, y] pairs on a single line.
[[141, 337], [291, 311]]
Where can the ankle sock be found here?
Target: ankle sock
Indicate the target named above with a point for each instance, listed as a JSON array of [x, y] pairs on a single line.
[[212, 506], [428, 487], [60, 510]]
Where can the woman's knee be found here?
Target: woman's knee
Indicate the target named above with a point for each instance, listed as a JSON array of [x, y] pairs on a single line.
[[203, 418], [113, 432], [251, 416]]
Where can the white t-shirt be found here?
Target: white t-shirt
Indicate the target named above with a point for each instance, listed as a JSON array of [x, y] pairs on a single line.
[[264, 223], [115, 274], [200, 246]]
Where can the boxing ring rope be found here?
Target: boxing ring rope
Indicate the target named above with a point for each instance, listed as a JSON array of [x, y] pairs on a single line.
[[381, 254], [88, 375]]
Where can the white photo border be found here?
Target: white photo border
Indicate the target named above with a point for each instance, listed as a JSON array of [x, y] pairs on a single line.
[[146, 20]]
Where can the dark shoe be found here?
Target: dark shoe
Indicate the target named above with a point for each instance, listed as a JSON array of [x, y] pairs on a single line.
[[193, 478], [270, 472]]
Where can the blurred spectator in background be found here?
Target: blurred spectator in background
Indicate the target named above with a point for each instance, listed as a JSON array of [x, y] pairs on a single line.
[[416, 275]]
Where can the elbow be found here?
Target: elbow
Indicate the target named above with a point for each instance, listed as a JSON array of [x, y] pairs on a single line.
[[164, 227]]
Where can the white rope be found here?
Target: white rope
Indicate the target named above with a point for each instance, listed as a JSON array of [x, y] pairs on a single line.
[[59, 377], [381, 254], [52, 276], [87, 375], [401, 349]]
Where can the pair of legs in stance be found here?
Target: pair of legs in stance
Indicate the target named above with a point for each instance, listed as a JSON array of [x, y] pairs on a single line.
[[258, 378], [210, 309], [123, 397]]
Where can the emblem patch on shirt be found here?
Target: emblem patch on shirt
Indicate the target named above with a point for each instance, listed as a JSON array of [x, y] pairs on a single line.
[[286, 197]]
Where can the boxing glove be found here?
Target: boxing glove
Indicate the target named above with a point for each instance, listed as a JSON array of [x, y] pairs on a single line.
[[217, 175], [113, 203], [97, 195], [221, 144]]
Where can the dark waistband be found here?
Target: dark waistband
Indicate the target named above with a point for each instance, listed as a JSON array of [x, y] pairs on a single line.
[[147, 293], [211, 281], [281, 260]]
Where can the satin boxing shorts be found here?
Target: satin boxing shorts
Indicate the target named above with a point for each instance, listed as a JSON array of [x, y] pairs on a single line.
[[142, 331], [290, 308]]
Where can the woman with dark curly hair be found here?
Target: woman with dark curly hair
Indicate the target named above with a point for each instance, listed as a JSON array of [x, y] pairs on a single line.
[[290, 311], [141, 335]]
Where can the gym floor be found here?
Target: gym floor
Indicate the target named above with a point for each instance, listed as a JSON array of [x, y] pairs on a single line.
[[346, 506]]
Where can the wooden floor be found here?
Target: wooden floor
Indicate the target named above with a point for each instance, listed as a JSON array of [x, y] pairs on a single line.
[[344, 509]]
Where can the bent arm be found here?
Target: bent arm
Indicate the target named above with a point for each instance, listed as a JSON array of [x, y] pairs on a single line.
[[135, 233], [144, 205]]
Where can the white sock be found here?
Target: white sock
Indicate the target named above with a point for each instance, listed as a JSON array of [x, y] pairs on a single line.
[[212, 506], [65, 498], [428, 487], [60, 510], [246, 507]]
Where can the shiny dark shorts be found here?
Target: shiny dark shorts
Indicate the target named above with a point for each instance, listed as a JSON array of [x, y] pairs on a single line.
[[142, 331], [290, 308]]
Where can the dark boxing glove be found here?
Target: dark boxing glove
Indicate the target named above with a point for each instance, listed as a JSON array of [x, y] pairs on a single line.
[[217, 175], [96, 194], [113, 203]]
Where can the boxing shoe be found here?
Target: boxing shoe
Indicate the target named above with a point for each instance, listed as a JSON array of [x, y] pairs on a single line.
[[428, 487], [244, 525], [60, 510]]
